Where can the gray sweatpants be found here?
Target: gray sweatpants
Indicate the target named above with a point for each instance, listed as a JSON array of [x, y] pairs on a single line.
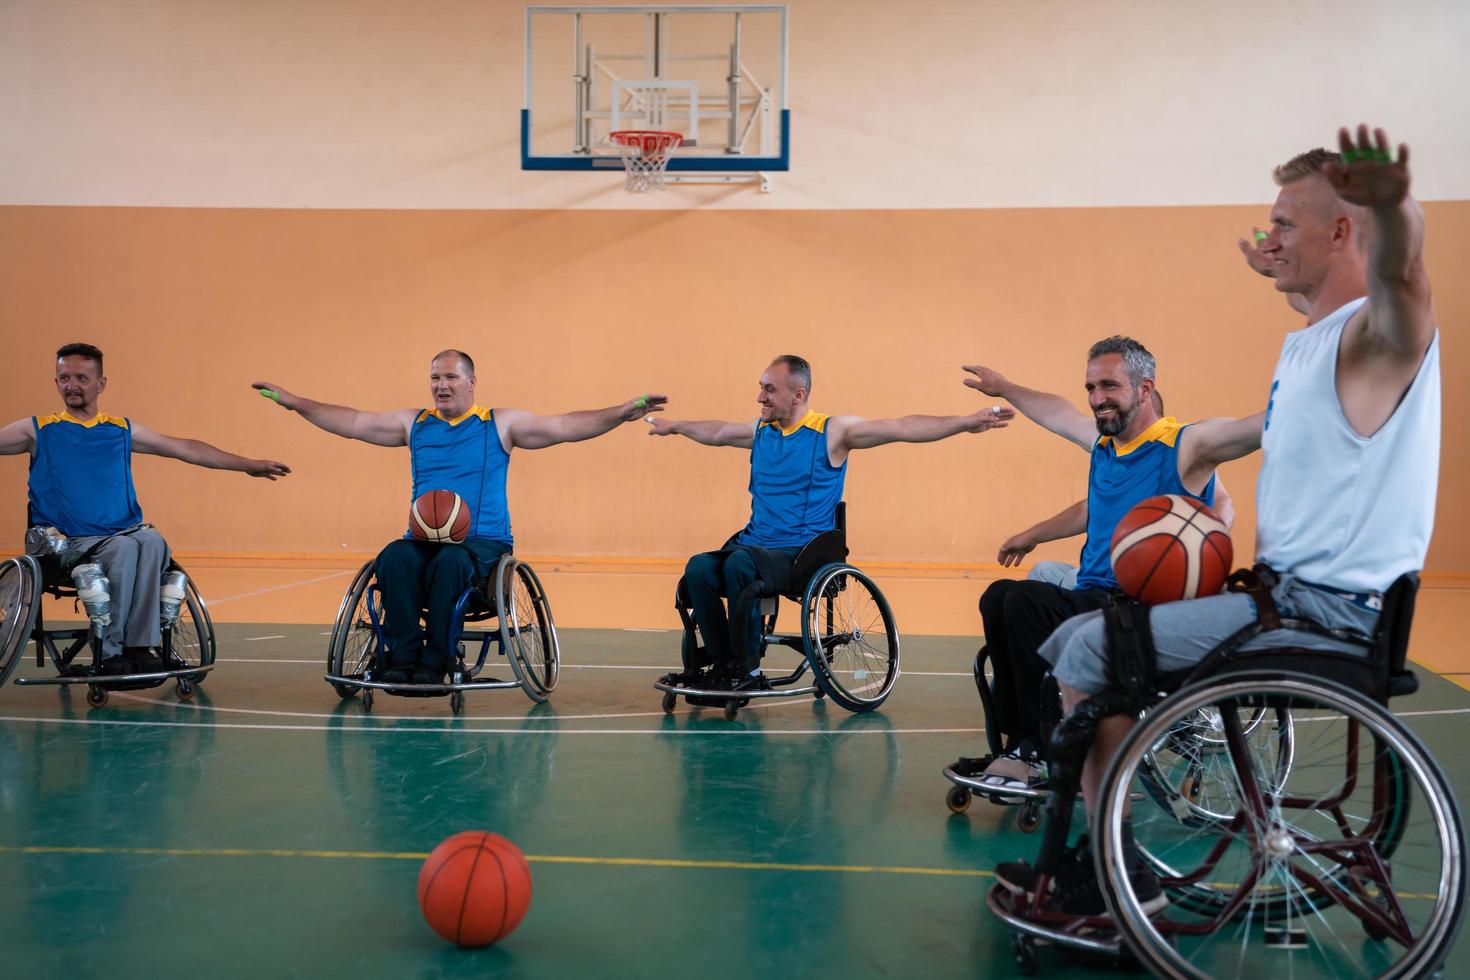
[[1184, 632], [133, 562]]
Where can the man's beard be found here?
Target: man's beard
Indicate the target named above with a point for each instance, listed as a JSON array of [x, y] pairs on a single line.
[[1119, 422]]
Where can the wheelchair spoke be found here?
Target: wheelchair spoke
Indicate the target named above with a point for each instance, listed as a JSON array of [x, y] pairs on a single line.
[[1303, 881]]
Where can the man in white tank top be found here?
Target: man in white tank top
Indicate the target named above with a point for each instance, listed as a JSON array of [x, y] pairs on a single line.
[[1345, 499]]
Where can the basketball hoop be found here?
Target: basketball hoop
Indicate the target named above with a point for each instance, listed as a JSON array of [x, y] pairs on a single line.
[[645, 155]]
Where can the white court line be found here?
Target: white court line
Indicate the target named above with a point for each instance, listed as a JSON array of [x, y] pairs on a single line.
[[276, 588], [665, 669], [464, 730], [252, 639], [635, 629]]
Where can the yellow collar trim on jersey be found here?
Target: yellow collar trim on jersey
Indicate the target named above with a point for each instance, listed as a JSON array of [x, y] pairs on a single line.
[[1165, 430], [483, 414], [811, 420], [100, 418]]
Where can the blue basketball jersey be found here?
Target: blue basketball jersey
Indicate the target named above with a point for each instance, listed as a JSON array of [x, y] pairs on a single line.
[[1121, 476], [463, 455], [794, 488], [81, 476]]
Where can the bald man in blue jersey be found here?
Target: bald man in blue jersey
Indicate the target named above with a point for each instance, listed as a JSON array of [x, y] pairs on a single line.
[[81, 484], [798, 463], [460, 446]]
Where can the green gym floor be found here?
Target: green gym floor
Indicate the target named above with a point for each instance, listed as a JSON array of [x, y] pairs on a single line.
[[268, 829]]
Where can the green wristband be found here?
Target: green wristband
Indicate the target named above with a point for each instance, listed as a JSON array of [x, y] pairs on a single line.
[[641, 401], [1351, 156], [1261, 236], [267, 393], [1381, 156]]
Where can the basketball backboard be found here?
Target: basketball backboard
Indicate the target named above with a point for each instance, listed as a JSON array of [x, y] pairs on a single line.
[[714, 74]]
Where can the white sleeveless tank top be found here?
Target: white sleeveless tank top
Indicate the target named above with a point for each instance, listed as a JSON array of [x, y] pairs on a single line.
[[1334, 507]]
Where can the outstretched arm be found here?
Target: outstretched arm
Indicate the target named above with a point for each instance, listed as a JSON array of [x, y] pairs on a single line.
[[145, 440], [1052, 412], [17, 437], [1208, 443], [522, 430], [378, 428], [711, 432], [1262, 263], [1400, 313], [848, 432], [1069, 522]]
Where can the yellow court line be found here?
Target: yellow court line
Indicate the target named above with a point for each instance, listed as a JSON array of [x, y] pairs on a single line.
[[538, 858]]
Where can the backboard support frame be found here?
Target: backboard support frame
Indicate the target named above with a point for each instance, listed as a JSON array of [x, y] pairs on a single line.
[[603, 98]]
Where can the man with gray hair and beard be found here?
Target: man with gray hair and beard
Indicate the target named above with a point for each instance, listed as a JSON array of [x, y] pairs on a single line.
[[1136, 454]]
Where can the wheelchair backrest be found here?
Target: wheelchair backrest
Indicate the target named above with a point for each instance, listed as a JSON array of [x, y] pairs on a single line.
[[824, 549]]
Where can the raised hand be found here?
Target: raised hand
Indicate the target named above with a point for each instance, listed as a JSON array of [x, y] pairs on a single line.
[[277, 394], [986, 380], [1259, 261], [643, 405], [1368, 175]]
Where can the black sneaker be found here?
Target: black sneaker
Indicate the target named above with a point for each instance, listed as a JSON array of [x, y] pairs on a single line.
[[143, 659], [427, 675], [751, 682], [398, 675], [1075, 889], [113, 667]]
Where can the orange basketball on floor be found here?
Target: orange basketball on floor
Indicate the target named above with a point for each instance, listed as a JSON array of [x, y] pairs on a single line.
[[439, 516], [474, 888], [1170, 548]]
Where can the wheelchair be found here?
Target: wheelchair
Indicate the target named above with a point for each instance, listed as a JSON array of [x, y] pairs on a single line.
[[965, 774], [1299, 824], [524, 634], [848, 638], [188, 643]]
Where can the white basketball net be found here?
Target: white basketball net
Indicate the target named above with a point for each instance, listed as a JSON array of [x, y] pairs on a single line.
[[645, 156]]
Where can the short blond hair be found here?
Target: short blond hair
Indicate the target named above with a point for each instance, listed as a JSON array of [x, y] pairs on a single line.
[[1304, 165]]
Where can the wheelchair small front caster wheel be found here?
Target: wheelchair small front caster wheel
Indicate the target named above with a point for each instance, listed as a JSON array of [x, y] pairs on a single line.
[[367, 699], [670, 699], [183, 690], [96, 696], [732, 710], [957, 799], [456, 702], [1030, 816], [1025, 952]]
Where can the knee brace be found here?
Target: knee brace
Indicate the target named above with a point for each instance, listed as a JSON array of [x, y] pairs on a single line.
[[92, 588], [171, 597]]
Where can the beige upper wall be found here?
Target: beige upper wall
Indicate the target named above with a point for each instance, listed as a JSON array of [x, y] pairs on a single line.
[[920, 104]]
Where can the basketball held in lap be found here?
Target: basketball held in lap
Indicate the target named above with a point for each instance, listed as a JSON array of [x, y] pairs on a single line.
[[1169, 548], [439, 517]]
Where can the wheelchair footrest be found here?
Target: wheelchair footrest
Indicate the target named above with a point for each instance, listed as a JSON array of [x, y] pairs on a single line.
[[715, 698], [1008, 796], [422, 690], [1091, 934], [152, 678]]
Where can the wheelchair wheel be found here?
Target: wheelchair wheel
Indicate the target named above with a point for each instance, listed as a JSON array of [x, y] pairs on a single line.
[[1190, 773], [20, 600], [192, 639], [1352, 861], [527, 632], [354, 644], [850, 636]]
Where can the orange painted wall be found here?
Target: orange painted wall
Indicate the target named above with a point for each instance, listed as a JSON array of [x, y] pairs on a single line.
[[572, 309]]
